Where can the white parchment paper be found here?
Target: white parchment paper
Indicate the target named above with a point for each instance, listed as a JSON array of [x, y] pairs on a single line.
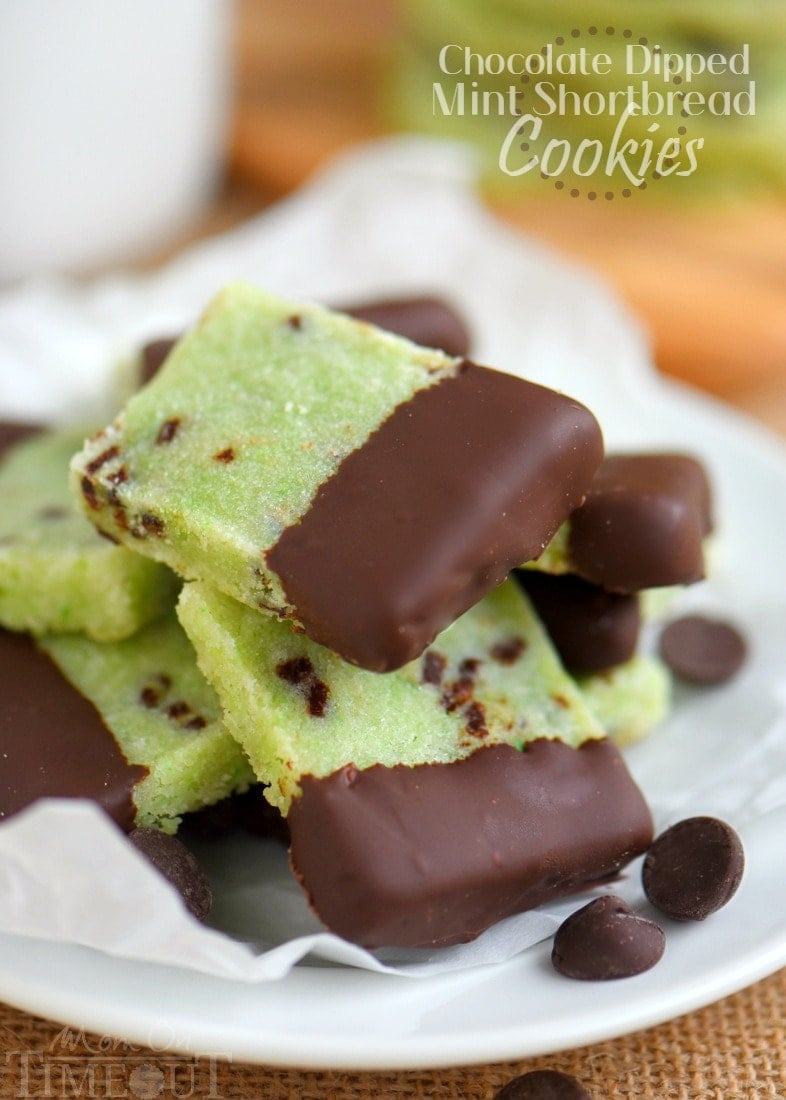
[[401, 216]]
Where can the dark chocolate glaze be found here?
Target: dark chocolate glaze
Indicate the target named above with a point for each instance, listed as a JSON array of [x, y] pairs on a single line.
[[424, 320], [643, 523], [12, 432], [53, 743], [591, 629], [434, 854], [152, 357], [460, 484]]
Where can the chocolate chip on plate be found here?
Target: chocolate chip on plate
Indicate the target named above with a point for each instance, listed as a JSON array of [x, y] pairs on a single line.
[[702, 650], [693, 868], [178, 865], [543, 1084], [606, 939]]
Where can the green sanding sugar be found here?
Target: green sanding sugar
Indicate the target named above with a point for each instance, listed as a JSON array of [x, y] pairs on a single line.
[[163, 715], [56, 572], [297, 709], [229, 443]]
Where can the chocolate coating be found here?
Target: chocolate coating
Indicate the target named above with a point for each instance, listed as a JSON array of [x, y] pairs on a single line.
[[434, 854], [13, 431], [152, 356], [643, 523], [693, 868], [605, 940], [458, 486], [53, 742], [249, 811], [543, 1084], [702, 650], [591, 629], [179, 867], [425, 320]]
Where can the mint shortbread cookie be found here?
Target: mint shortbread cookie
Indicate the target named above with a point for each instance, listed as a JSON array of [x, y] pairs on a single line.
[[426, 803], [56, 572], [132, 725], [644, 524], [313, 466], [298, 709], [629, 700]]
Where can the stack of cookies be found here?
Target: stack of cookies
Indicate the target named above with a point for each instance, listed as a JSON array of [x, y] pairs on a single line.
[[406, 593]]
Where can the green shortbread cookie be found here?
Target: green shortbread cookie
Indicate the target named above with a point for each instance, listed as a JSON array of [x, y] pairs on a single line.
[[492, 677], [630, 700], [285, 453], [163, 715], [427, 803], [56, 572], [249, 407]]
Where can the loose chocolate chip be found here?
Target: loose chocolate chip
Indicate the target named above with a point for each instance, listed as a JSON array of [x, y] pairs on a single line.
[[693, 868], [701, 650], [543, 1084], [178, 866], [606, 939]]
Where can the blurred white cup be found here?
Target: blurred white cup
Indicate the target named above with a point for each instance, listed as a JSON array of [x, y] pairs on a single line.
[[112, 126]]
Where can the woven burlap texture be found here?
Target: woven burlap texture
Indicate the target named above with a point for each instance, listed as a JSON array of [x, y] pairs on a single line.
[[732, 1050]]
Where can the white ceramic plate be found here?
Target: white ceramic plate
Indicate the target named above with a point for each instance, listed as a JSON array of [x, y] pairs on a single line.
[[322, 1017], [330, 1017]]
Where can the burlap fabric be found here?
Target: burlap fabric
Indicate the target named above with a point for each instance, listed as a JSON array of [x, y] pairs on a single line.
[[732, 1050]]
